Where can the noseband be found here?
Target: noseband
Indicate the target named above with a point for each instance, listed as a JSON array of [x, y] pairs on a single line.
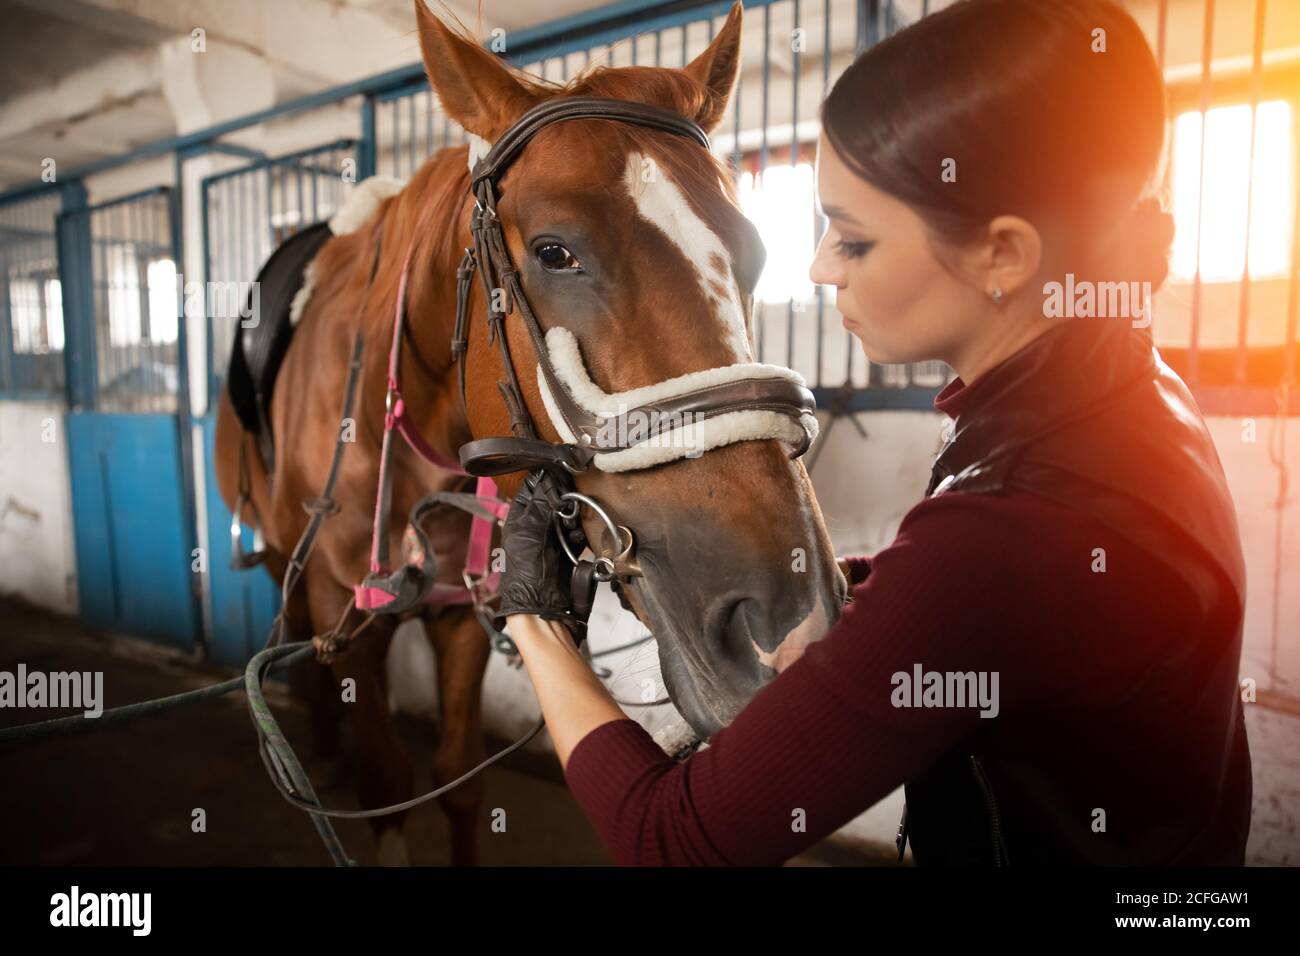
[[610, 442]]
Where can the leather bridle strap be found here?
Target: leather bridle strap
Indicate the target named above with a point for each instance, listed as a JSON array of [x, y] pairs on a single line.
[[747, 388], [507, 149]]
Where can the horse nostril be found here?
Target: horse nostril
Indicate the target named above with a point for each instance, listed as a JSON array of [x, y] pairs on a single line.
[[744, 628]]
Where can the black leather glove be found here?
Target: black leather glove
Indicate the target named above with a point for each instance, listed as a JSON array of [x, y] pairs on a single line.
[[538, 577]]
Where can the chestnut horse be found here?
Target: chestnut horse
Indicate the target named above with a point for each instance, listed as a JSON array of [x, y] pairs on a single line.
[[653, 276]]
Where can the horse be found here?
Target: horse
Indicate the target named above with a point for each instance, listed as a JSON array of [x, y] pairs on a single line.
[[630, 239]]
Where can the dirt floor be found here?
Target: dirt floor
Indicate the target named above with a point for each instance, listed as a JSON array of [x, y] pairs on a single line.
[[125, 794]]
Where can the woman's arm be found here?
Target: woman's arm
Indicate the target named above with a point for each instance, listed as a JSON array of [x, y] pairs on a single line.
[[573, 699], [816, 746]]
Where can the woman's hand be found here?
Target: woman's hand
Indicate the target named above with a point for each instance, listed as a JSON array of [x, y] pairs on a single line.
[[538, 574]]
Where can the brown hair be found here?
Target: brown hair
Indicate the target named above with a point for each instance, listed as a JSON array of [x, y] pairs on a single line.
[[1037, 121]]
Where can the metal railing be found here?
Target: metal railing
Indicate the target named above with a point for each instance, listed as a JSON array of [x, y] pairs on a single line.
[[31, 299], [247, 213], [129, 335], [771, 122]]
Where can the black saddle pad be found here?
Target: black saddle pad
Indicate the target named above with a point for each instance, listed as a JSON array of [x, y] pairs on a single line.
[[259, 348]]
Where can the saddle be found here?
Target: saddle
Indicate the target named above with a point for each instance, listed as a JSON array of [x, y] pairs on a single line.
[[259, 348]]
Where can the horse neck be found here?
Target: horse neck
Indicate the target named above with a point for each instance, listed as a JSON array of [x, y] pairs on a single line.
[[426, 374]]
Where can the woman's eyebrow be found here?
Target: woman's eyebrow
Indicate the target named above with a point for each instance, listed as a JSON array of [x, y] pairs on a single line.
[[837, 212]]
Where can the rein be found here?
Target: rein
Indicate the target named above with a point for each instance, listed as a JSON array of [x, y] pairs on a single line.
[[386, 591]]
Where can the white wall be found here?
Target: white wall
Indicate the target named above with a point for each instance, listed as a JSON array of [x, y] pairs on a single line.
[[37, 560]]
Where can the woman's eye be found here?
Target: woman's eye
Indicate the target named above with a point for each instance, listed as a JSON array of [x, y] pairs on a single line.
[[555, 258], [853, 250]]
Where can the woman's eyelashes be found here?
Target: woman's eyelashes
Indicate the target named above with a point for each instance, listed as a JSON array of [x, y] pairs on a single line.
[[854, 249]]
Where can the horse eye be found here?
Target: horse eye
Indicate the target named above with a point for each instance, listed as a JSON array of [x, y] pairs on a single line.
[[555, 258]]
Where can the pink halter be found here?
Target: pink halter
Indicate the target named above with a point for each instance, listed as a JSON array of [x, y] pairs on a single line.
[[477, 581]]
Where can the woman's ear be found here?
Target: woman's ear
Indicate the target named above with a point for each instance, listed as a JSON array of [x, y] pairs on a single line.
[[475, 88], [1012, 254], [717, 68]]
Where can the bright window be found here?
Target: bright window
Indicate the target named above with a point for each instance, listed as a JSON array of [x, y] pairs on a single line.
[[54, 314], [162, 300], [1229, 175], [37, 322], [124, 319], [780, 204], [123, 295]]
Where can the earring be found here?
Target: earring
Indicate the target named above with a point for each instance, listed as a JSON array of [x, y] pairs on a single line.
[[996, 295]]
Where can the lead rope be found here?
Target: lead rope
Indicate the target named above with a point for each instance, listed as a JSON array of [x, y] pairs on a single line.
[[281, 763]]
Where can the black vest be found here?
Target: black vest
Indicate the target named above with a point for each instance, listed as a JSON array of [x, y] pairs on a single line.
[[1090, 417]]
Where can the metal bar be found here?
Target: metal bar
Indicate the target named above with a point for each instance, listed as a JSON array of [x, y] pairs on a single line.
[[234, 149], [138, 222], [367, 141], [184, 413], [1207, 49], [794, 165], [315, 195], [72, 241], [8, 385], [1293, 295], [268, 234], [1256, 81], [208, 344], [760, 176], [410, 115], [302, 216], [296, 156], [820, 220]]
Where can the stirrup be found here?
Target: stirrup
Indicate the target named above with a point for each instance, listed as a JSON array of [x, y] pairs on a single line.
[[239, 559]]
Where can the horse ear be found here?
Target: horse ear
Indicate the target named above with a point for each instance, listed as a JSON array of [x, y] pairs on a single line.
[[474, 87], [717, 68]]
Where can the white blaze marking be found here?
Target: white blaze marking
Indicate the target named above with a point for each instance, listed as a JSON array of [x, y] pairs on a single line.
[[662, 203], [793, 645]]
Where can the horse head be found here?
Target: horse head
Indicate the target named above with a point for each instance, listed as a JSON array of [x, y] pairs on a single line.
[[635, 258]]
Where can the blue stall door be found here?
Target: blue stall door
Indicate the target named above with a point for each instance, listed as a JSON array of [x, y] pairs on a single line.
[[133, 540]]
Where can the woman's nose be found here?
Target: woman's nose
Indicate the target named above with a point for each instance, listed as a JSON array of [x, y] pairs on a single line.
[[826, 269]]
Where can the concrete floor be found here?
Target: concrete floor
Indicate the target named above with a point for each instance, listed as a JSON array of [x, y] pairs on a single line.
[[125, 794]]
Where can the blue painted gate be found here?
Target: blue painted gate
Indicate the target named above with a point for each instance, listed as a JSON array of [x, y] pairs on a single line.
[[247, 213], [126, 425]]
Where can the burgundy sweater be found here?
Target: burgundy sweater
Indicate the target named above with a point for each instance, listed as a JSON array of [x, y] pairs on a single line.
[[1000, 583]]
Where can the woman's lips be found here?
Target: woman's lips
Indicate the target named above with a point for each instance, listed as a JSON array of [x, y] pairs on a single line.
[[848, 323]]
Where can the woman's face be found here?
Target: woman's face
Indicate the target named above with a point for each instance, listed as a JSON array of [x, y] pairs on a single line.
[[895, 296]]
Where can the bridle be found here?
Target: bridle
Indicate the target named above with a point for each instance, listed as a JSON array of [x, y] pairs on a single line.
[[751, 387], [742, 389]]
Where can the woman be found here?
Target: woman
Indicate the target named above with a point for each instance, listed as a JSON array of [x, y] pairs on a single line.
[[1046, 656]]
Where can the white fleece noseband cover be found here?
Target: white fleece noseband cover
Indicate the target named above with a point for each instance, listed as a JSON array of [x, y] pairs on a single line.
[[683, 440]]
